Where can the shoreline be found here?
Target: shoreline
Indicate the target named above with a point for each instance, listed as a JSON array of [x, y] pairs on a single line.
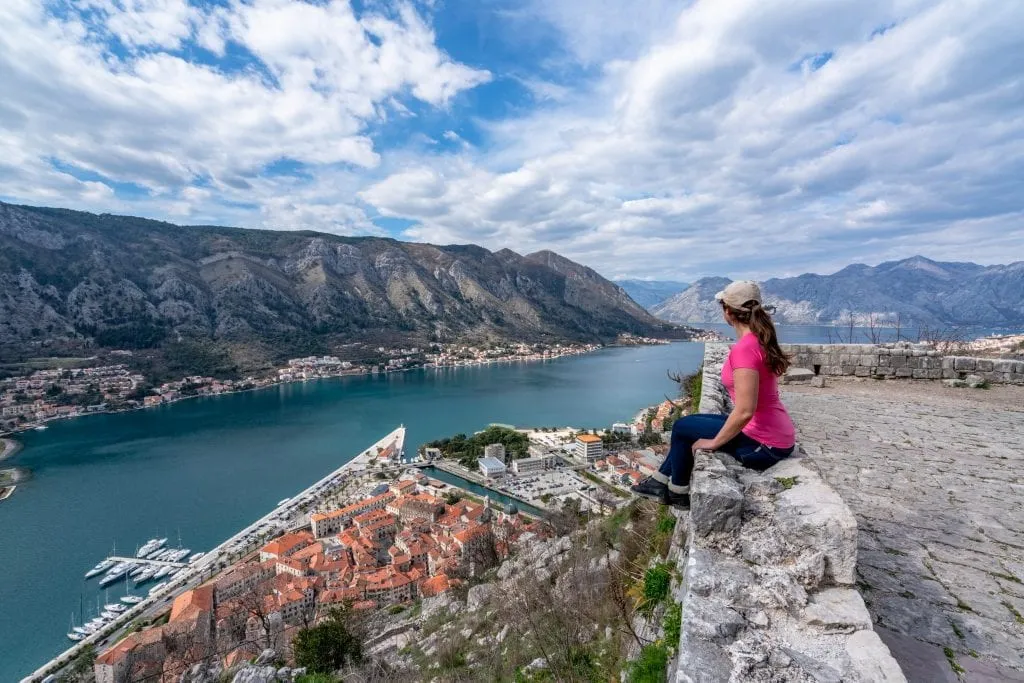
[[9, 448], [279, 382]]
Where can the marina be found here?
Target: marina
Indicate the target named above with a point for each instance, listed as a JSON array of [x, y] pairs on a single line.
[[104, 629]]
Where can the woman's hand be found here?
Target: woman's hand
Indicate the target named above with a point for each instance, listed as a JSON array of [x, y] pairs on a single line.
[[704, 445]]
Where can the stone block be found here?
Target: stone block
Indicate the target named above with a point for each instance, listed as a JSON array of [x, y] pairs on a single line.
[[918, 353], [861, 371], [1003, 365], [950, 374], [837, 610], [917, 373], [974, 381], [797, 376], [984, 365], [934, 374], [710, 619], [948, 363], [701, 661], [904, 372], [814, 519], [716, 503], [898, 361], [963, 364], [868, 361], [883, 361], [818, 382], [848, 369], [815, 666], [871, 660]]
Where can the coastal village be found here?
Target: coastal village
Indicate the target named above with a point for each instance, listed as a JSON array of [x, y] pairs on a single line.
[[28, 401], [386, 543]]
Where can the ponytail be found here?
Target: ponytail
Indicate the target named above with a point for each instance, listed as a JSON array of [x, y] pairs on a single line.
[[754, 315]]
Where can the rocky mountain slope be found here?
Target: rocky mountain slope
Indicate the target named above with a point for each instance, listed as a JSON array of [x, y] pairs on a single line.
[[916, 290], [649, 293], [84, 280]]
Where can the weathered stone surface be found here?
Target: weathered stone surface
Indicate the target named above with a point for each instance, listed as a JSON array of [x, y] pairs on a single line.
[[837, 610], [955, 383], [818, 381], [816, 520], [934, 479], [701, 661], [797, 375], [871, 658], [716, 504], [479, 595]]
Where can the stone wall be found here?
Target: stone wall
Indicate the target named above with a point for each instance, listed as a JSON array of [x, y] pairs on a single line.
[[900, 360], [768, 575]]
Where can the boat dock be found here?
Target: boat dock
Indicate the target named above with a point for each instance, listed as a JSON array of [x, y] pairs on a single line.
[[152, 563], [280, 518]]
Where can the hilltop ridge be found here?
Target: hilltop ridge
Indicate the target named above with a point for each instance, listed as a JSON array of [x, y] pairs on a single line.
[[73, 281], [917, 290]]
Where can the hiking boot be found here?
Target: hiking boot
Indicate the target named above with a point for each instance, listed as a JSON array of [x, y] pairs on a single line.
[[651, 488], [678, 500]]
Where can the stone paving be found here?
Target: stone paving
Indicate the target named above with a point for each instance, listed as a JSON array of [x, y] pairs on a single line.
[[935, 477]]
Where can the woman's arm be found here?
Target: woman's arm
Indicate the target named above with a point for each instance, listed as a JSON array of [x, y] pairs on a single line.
[[746, 385]]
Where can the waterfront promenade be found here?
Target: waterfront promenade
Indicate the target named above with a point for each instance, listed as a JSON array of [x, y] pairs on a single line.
[[289, 514]]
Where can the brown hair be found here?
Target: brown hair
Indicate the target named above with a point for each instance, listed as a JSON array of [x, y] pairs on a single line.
[[754, 315]]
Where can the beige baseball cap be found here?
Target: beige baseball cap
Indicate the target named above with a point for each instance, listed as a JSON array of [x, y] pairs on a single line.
[[740, 292]]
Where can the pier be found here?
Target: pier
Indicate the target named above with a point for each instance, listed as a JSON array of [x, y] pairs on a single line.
[[280, 518], [153, 563]]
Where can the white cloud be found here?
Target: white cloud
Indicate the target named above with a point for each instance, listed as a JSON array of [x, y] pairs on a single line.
[[719, 149], [662, 139], [107, 92]]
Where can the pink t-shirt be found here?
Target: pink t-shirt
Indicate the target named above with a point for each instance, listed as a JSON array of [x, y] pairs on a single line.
[[771, 424]]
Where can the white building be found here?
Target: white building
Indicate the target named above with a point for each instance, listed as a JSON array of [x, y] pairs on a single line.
[[492, 467], [588, 447], [496, 451], [531, 465], [621, 428], [537, 451]]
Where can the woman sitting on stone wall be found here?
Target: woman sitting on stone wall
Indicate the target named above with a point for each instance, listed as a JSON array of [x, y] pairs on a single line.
[[758, 432]]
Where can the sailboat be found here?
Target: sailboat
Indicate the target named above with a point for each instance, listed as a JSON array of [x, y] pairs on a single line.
[[75, 633]]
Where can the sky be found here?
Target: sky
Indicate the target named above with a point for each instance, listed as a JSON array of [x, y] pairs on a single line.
[[647, 139]]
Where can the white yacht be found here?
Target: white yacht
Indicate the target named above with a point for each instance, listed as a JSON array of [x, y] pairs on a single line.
[[135, 573], [132, 599], [75, 636], [99, 568], [163, 571], [151, 546], [115, 607], [179, 555], [157, 588], [195, 557], [146, 575], [110, 616], [116, 574]]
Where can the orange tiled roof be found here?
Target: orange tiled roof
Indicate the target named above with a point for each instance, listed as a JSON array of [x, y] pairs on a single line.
[[435, 585], [191, 603], [588, 438]]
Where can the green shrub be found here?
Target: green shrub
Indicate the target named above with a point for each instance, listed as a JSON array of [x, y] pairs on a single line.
[[650, 666], [673, 623]]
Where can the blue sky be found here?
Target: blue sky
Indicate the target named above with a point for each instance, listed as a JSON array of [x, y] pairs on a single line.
[[647, 139]]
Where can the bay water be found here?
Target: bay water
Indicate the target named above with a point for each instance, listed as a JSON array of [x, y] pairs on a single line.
[[206, 467]]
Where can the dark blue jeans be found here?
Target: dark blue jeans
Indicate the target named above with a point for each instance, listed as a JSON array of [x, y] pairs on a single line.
[[678, 464]]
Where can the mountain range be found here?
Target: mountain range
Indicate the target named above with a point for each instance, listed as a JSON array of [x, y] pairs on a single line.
[[914, 291], [71, 281], [650, 293]]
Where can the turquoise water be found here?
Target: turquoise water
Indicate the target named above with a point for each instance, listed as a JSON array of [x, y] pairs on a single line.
[[207, 467]]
